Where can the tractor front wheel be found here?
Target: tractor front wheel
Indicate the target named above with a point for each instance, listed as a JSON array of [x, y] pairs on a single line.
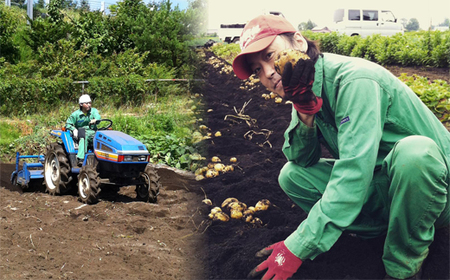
[[88, 185], [149, 189], [57, 175]]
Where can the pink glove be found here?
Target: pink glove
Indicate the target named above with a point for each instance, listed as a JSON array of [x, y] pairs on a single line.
[[281, 263]]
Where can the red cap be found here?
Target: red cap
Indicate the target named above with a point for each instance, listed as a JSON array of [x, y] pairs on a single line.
[[257, 35]]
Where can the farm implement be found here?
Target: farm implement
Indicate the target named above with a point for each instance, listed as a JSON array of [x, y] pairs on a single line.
[[114, 158]]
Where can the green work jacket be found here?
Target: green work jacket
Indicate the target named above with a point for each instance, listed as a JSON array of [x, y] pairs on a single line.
[[365, 111], [80, 120]]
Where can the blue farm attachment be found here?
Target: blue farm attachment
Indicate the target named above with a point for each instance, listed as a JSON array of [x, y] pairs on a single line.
[[27, 173]]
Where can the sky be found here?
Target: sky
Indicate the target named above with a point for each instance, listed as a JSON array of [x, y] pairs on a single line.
[[297, 11]]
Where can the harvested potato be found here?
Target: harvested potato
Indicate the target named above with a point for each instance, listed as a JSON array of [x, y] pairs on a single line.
[[247, 218], [233, 159], [288, 55], [228, 168], [262, 205], [211, 173], [220, 167], [273, 95], [235, 214], [216, 210], [218, 134], [215, 159], [228, 201], [250, 211], [210, 166], [199, 177], [207, 201], [221, 216], [237, 205], [278, 100]]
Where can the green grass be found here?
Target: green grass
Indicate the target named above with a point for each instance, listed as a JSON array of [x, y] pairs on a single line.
[[8, 133]]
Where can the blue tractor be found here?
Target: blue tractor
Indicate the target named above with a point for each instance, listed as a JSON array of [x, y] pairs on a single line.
[[115, 158]]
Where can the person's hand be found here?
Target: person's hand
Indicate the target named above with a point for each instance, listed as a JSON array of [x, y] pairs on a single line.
[[75, 133], [93, 121], [297, 84], [281, 264]]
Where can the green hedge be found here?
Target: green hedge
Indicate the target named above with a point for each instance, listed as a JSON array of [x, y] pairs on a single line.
[[21, 96], [424, 48]]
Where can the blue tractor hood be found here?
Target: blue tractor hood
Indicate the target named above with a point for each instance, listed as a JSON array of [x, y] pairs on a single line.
[[119, 143]]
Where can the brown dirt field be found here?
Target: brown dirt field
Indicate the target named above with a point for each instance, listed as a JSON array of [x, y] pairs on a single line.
[[57, 237]]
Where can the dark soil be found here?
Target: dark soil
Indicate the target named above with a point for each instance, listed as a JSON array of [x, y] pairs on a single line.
[[57, 237], [232, 245]]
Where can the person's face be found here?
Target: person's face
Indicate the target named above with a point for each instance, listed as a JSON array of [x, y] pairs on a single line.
[[86, 106], [262, 64]]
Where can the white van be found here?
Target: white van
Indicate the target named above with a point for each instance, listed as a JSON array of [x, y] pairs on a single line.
[[365, 22]]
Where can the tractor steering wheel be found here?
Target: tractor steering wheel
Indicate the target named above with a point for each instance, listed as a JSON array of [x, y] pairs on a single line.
[[102, 120]]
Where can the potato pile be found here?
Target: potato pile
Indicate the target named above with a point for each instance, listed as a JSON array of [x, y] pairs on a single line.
[[250, 83], [235, 209], [288, 55], [214, 168], [217, 63]]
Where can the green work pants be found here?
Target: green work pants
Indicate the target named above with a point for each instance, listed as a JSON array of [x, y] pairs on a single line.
[[407, 199], [84, 141]]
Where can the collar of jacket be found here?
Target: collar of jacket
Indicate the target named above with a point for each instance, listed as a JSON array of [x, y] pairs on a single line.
[[318, 77]]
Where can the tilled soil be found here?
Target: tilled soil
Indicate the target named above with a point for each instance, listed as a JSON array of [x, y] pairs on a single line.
[[57, 237], [232, 245]]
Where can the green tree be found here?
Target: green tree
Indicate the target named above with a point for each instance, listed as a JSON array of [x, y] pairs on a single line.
[[306, 25], [49, 29], [446, 22], [413, 25], [9, 21]]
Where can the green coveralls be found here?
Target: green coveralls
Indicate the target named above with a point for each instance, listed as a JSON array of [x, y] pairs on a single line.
[[80, 120], [391, 173]]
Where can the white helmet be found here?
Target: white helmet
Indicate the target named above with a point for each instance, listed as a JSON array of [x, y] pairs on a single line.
[[84, 98]]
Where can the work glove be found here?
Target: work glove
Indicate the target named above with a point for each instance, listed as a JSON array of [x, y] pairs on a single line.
[[93, 121], [75, 133], [297, 84], [281, 264]]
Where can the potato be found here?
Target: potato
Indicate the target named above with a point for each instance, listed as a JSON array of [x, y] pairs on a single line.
[[207, 201], [262, 205], [220, 167], [216, 210], [228, 168], [288, 55], [249, 211], [218, 134], [247, 218], [278, 99], [235, 214], [221, 216], [199, 177], [215, 159], [240, 206], [233, 159], [211, 173], [228, 201]]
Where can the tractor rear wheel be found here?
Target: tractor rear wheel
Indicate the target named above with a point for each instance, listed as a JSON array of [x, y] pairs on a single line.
[[149, 189], [57, 175], [88, 184]]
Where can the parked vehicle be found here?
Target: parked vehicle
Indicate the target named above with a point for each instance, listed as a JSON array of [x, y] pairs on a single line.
[[115, 158], [231, 33], [365, 22]]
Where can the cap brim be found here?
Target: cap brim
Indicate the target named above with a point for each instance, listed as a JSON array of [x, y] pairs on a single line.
[[240, 65]]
